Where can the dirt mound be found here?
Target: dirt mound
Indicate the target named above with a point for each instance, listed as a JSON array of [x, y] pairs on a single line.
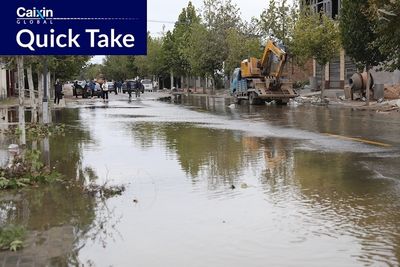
[[392, 91]]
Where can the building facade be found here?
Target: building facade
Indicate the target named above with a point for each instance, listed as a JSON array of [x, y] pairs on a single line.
[[7, 82], [339, 70]]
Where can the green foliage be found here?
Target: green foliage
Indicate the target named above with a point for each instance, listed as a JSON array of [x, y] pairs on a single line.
[[385, 18], [37, 131], [119, 67], [279, 18], [169, 52], [181, 36], [92, 71], [64, 67], [357, 33], [315, 36], [26, 171], [12, 237], [220, 18], [239, 48], [203, 53], [153, 63], [68, 67]]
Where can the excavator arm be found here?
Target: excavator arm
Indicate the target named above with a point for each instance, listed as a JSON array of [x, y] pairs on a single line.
[[273, 60]]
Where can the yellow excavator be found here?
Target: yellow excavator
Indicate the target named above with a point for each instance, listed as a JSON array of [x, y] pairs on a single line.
[[260, 80]]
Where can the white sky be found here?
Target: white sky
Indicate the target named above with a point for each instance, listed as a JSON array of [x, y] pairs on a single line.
[[169, 10]]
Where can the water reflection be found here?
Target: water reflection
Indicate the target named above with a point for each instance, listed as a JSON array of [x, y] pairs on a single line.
[[287, 207], [318, 194], [60, 216]]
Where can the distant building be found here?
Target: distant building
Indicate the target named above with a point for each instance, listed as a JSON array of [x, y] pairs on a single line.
[[339, 70], [330, 7], [7, 82]]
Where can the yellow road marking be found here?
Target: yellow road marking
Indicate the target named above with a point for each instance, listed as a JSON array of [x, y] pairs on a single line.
[[365, 141]]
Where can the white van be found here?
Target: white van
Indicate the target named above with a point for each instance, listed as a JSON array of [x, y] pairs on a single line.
[[148, 85]]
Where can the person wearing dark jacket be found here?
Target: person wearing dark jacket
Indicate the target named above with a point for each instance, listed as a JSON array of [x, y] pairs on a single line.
[[138, 88], [116, 87], [57, 92], [129, 89]]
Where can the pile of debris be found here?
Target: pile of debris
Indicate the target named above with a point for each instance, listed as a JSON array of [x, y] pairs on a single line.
[[392, 91], [313, 98]]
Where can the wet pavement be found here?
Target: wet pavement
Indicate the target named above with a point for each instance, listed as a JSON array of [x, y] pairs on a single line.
[[213, 185]]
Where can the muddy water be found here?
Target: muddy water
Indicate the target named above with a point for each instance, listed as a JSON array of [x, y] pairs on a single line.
[[209, 185]]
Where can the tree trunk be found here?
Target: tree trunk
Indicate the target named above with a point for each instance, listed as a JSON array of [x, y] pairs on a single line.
[[172, 79], [21, 94], [205, 85], [32, 95], [213, 85], [368, 85], [40, 96], [49, 96], [323, 81]]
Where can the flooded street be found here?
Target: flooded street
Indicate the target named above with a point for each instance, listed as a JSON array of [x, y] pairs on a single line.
[[213, 185]]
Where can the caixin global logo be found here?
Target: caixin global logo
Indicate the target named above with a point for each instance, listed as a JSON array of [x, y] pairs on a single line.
[[73, 27], [34, 15]]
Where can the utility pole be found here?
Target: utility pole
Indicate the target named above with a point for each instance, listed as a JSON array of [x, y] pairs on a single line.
[[45, 97]]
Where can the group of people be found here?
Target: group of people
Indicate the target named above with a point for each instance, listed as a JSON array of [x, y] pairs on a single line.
[[101, 89], [135, 86]]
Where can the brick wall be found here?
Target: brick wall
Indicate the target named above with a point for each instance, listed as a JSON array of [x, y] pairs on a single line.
[[299, 73]]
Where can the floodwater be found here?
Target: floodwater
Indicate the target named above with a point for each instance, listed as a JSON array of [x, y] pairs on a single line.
[[212, 185]]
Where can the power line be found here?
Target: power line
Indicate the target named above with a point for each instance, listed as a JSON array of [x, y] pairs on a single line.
[[161, 21]]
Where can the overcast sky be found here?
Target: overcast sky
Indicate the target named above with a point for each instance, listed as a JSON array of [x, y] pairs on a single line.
[[160, 11]]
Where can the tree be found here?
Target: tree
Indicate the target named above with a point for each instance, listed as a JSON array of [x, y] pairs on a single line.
[[205, 54], [67, 67], [278, 19], [220, 17], [152, 63], [358, 36], [119, 67], [240, 47], [168, 55], [384, 15], [92, 71], [181, 35], [315, 36]]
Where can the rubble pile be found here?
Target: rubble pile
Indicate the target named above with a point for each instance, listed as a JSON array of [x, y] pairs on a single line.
[[314, 100], [392, 92]]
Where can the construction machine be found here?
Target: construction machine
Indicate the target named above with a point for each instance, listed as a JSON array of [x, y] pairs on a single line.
[[260, 80]]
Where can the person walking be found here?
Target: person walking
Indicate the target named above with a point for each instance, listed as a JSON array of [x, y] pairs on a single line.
[[92, 86], [116, 87], [104, 90], [120, 86], [57, 92], [129, 89], [138, 88]]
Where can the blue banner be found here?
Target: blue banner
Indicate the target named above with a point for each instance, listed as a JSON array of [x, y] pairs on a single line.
[[73, 27]]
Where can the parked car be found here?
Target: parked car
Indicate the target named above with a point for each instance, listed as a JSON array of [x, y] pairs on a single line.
[[110, 86], [81, 88], [147, 85]]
